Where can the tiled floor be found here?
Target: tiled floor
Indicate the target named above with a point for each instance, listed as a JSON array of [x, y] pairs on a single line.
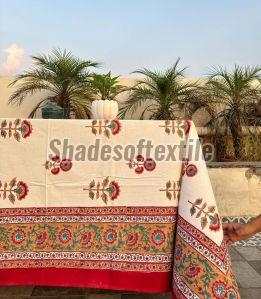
[[246, 262]]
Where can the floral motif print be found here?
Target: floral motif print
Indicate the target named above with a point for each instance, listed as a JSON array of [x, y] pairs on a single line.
[[13, 190], [86, 238], [158, 237], [206, 214], [18, 236], [56, 164], [140, 163], [172, 190], [17, 129], [41, 239], [189, 169], [178, 252], [198, 275], [231, 293], [110, 236], [132, 239], [95, 237], [65, 235], [180, 127], [219, 289], [214, 222], [121, 234], [105, 190], [192, 271], [105, 127]]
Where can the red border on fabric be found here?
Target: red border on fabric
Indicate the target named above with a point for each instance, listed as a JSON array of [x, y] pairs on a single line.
[[152, 282]]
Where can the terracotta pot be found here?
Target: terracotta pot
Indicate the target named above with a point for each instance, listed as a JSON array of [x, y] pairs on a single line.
[[104, 109]]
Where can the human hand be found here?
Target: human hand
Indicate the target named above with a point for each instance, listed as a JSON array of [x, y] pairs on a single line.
[[234, 232]]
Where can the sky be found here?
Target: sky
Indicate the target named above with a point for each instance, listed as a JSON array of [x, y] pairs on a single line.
[[128, 35]]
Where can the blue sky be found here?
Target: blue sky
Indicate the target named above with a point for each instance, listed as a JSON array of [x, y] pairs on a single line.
[[126, 35]]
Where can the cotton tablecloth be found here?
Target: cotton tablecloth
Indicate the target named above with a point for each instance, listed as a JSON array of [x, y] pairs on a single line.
[[81, 204]]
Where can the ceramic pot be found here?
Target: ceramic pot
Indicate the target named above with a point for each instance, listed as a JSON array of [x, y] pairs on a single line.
[[104, 109]]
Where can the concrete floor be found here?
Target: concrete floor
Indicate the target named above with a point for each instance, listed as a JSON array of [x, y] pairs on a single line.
[[246, 265]]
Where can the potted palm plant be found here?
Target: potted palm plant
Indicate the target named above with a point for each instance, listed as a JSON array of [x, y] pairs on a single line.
[[105, 89], [64, 78], [163, 95], [238, 94]]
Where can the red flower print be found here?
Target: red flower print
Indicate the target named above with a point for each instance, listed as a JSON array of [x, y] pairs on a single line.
[[86, 238], [65, 235], [113, 190], [132, 239], [55, 158], [56, 164], [140, 158], [66, 164], [158, 237], [18, 236], [139, 169], [219, 290], [187, 126], [149, 164], [192, 271], [110, 236], [13, 190], [26, 128], [55, 170], [214, 222], [21, 190], [115, 126], [191, 170], [41, 238], [139, 164]]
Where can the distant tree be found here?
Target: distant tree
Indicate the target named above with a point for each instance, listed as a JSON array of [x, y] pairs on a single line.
[[65, 77], [164, 95], [239, 94]]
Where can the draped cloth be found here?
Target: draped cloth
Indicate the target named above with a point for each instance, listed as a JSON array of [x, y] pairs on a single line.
[[82, 205]]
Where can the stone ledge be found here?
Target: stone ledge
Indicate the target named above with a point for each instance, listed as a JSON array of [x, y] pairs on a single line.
[[234, 164]]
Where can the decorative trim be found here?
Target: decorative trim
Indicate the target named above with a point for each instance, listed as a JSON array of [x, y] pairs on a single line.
[[223, 265], [180, 287], [87, 218], [122, 210], [219, 251], [88, 240]]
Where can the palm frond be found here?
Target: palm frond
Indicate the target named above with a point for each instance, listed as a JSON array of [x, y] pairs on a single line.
[[61, 74]]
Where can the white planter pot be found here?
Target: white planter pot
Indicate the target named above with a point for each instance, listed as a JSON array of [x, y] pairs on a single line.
[[104, 109]]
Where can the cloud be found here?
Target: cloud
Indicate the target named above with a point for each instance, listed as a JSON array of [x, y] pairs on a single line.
[[14, 57]]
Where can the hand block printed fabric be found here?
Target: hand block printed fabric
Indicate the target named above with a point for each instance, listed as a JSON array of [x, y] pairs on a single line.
[[84, 203]]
